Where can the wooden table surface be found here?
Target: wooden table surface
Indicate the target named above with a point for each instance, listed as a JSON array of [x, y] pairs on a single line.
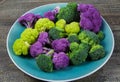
[[10, 10]]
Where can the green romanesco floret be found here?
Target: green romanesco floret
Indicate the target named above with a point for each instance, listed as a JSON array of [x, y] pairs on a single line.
[[29, 35], [61, 24], [73, 38], [73, 27], [96, 52], [88, 37], [21, 47], [44, 24], [100, 35], [56, 33], [69, 13]]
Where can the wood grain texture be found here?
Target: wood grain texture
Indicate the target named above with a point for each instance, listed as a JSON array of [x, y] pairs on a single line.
[[10, 10]]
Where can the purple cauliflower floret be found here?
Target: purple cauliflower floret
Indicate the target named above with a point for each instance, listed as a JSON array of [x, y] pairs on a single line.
[[36, 18], [28, 20], [43, 38], [36, 49], [60, 60], [83, 7], [90, 17], [51, 14], [56, 10], [60, 45]]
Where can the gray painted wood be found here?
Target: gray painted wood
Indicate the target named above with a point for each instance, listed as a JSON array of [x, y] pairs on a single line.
[[10, 10]]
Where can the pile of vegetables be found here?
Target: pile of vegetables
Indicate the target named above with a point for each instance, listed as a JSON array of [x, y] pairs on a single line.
[[62, 37]]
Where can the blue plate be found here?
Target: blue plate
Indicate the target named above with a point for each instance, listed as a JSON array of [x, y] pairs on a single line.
[[29, 66]]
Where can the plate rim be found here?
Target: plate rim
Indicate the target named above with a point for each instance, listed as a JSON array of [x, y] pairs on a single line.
[[58, 80]]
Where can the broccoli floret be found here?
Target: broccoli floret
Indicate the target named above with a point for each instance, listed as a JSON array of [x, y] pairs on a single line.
[[96, 52], [78, 56], [61, 24], [85, 47], [21, 47], [29, 35], [88, 37], [44, 61], [74, 46], [56, 33], [44, 24], [79, 52], [69, 13], [73, 38], [73, 27], [100, 35]]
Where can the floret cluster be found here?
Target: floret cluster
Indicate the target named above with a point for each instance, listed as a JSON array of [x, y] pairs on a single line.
[[62, 37]]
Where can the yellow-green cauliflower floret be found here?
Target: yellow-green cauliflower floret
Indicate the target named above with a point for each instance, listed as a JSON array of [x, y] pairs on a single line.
[[44, 24], [61, 24], [29, 35], [20, 47], [73, 27]]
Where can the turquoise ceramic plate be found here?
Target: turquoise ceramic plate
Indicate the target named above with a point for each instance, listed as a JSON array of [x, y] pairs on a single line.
[[29, 66]]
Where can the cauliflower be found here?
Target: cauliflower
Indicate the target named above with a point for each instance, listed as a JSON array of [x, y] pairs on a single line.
[[51, 14], [21, 47], [69, 13], [56, 33], [88, 37], [44, 61], [44, 24], [61, 24], [96, 52], [36, 49], [29, 35], [90, 17], [73, 27], [43, 38], [28, 20], [60, 45], [60, 60]]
